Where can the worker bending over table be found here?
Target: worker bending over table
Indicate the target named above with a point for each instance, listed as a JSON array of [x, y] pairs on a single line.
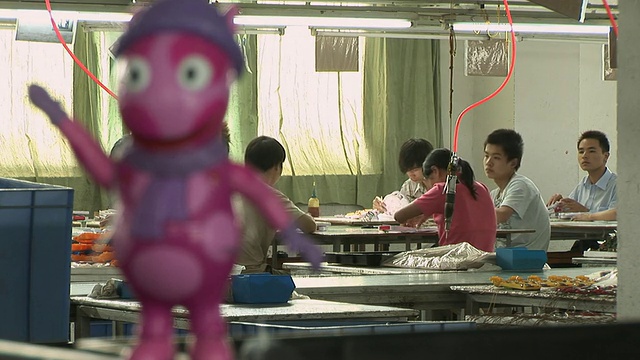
[[474, 219], [412, 154]]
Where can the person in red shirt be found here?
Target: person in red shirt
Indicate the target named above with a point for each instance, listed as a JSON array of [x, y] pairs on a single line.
[[474, 217]]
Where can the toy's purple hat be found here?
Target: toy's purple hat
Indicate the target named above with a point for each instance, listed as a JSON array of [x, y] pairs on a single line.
[[193, 16]]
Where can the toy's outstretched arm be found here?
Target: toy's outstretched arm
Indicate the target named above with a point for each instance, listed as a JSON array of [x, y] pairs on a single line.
[[247, 183], [86, 149]]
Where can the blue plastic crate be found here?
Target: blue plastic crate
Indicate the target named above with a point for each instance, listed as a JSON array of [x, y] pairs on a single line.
[[520, 258], [35, 251], [261, 288]]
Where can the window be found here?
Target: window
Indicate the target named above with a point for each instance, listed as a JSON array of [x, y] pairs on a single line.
[[317, 116], [31, 146]]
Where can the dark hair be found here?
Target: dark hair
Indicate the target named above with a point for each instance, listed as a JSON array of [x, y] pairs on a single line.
[[264, 152], [226, 135], [441, 158], [412, 153], [510, 141], [597, 135], [120, 146]]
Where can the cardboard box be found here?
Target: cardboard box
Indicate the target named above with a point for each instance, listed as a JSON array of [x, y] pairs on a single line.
[[520, 258], [262, 288], [35, 250]]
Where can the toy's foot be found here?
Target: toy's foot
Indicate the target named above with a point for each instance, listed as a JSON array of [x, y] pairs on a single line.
[[207, 349], [153, 350]]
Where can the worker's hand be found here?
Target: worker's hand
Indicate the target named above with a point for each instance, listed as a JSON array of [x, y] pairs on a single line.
[[417, 221], [40, 98], [586, 216], [554, 199], [379, 205], [570, 205]]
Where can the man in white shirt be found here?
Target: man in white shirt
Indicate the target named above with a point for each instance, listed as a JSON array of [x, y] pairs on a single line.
[[596, 194]]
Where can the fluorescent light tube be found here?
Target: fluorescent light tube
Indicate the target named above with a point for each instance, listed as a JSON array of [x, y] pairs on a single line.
[[43, 15], [394, 35], [324, 22], [533, 28]]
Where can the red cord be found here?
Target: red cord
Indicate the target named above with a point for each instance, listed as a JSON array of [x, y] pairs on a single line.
[[506, 80], [64, 44], [613, 21]]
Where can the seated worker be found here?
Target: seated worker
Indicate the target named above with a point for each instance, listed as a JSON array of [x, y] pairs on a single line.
[[412, 154], [596, 194], [517, 199], [474, 220], [266, 155]]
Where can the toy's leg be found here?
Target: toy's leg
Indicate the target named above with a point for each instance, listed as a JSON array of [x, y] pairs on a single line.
[[210, 330], [156, 336]]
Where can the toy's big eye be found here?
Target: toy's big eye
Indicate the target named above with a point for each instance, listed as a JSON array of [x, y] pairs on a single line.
[[194, 72], [138, 75]]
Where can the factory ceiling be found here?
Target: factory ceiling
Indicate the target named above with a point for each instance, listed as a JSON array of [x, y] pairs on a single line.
[[422, 13]]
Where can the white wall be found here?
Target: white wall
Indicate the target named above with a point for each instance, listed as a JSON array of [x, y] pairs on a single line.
[[555, 93]]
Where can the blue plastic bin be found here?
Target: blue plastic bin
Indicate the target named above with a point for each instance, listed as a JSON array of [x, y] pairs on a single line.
[[520, 258], [262, 288], [35, 251]]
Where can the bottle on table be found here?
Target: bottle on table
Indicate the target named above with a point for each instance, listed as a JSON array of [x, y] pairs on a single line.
[[313, 206]]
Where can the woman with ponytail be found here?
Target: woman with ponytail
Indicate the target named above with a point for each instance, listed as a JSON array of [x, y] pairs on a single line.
[[474, 217]]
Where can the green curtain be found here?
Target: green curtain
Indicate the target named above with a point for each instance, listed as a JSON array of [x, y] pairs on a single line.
[[87, 111], [242, 113], [401, 92], [92, 107], [400, 100]]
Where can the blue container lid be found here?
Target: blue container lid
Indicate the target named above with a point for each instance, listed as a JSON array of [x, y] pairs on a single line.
[[261, 288]]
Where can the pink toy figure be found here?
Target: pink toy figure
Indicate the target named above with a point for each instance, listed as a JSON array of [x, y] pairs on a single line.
[[176, 238]]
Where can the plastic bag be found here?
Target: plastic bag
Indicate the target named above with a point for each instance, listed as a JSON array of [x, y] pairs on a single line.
[[448, 257]]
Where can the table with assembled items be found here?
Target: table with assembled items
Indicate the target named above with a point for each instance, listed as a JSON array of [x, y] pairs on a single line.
[[546, 298], [426, 291]]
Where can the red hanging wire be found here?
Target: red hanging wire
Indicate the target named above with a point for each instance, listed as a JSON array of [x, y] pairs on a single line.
[[611, 18], [77, 61], [506, 80]]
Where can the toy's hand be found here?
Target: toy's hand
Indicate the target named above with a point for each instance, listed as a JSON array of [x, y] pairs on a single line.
[[40, 98], [299, 243]]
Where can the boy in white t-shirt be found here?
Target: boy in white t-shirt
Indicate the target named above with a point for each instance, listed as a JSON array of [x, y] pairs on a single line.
[[518, 202]]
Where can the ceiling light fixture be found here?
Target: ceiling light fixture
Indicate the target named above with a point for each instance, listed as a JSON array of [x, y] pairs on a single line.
[[43, 15], [394, 34], [533, 28], [324, 22]]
